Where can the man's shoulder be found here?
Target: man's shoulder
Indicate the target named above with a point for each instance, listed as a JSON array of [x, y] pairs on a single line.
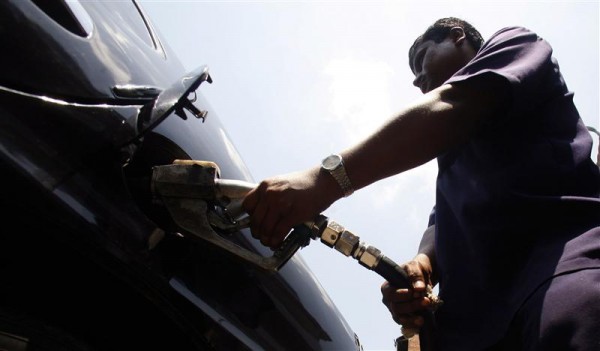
[[511, 32], [513, 29], [513, 38]]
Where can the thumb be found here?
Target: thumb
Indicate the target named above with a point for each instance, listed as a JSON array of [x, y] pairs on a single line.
[[415, 275]]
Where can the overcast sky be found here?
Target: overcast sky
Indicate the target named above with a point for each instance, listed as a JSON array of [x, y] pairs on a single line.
[[296, 80]]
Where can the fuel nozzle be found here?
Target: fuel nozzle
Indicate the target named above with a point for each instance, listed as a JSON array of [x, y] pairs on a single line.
[[206, 208]]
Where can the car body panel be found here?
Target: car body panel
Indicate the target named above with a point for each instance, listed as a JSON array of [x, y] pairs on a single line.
[[76, 152]]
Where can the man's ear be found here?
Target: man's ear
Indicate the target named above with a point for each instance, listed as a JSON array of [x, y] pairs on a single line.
[[458, 35]]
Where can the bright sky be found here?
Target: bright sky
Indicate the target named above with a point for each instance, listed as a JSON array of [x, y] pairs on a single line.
[[297, 80]]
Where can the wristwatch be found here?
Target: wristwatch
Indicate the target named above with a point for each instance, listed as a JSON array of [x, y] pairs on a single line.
[[334, 164]]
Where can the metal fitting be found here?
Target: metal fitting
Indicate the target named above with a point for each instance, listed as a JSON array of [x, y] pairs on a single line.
[[317, 226], [370, 257], [331, 234], [347, 242]]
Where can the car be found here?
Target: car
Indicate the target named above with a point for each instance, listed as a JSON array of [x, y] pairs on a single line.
[[92, 100]]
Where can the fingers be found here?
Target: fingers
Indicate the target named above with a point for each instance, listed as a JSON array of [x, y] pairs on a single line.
[[250, 201], [282, 228], [405, 305], [402, 301], [269, 214], [278, 204], [407, 313]]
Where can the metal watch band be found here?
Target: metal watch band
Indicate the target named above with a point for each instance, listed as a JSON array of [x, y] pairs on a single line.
[[334, 164], [341, 177]]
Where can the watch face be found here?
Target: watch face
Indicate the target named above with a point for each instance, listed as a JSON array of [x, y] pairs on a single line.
[[331, 162]]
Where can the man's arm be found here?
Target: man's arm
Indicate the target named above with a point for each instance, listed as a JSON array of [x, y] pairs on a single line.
[[426, 255], [439, 121]]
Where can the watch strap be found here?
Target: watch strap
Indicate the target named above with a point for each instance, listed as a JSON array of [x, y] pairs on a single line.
[[341, 177]]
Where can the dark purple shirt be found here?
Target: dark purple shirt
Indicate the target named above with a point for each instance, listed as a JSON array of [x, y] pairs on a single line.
[[517, 204]]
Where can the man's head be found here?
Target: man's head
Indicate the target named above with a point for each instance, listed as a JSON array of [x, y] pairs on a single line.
[[444, 48]]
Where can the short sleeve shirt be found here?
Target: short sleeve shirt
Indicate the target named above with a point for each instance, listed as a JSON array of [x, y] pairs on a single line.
[[518, 203]]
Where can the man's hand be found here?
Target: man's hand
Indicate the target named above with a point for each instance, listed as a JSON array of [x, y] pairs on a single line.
[[405, 304], [278, 204]]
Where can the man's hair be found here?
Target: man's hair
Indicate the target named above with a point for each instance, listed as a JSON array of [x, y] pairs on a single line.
[[440, 31]]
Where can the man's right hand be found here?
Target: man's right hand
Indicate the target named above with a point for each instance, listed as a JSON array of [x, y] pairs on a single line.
[[280, 203]]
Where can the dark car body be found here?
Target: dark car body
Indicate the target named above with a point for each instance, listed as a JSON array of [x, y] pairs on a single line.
[[87, 259]]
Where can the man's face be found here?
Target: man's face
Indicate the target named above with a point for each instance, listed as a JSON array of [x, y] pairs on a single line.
[[434, 63]]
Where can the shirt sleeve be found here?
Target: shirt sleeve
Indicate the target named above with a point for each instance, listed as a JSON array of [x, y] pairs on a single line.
[[523, 59]]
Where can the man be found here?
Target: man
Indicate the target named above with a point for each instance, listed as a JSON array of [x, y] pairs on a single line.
[[514, 239]]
